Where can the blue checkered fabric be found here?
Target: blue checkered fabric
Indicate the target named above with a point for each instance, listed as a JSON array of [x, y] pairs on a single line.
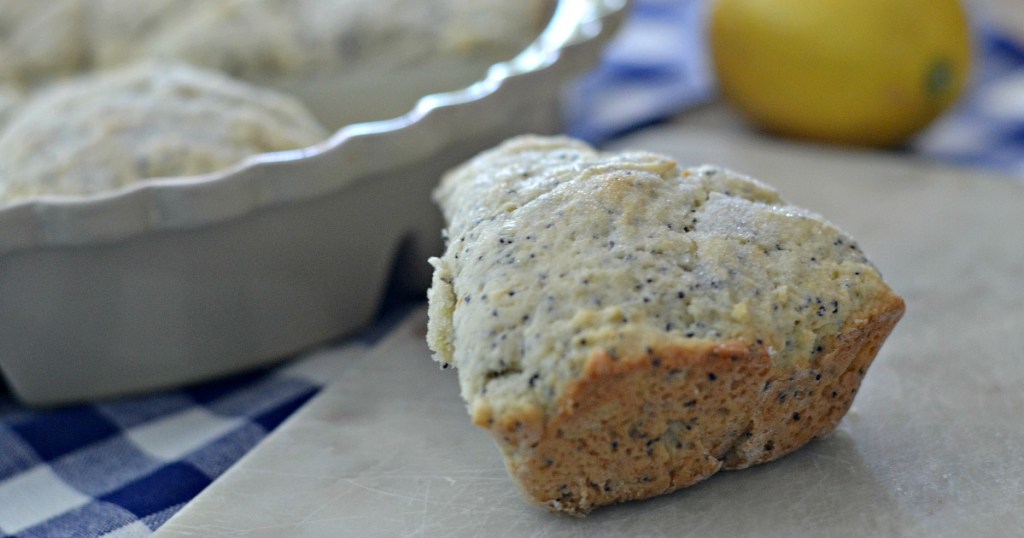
[[123, 468], [655, 67], [128, 465]]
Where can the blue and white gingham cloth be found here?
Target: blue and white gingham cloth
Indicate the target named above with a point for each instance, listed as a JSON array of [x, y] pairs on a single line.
[[129, 465], [123, 468], [655, 67]]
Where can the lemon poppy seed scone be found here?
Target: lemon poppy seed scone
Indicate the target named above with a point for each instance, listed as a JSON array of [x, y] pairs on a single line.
[[625, 328], [151, 120]]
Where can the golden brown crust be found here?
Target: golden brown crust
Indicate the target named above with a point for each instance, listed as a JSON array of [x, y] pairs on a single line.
[[801, 404], [625, 327], [633, 427]]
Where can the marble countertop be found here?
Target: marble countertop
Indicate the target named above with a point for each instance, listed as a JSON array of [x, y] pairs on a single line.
[[931, 447]]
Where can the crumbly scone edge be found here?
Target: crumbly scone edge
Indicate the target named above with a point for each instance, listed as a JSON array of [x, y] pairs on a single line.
[[638, 426]]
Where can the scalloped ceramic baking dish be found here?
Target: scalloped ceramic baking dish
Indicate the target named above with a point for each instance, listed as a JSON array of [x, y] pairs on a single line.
[[178, 280]]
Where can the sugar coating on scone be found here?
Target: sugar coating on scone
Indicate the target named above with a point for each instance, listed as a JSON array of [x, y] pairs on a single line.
[[625, 327], [151, 120]]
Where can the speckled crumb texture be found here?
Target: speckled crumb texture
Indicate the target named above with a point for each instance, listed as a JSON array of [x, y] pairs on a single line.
[[625, 327]]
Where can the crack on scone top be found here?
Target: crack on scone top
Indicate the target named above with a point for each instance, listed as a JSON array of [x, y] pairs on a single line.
[[730, 453], [505, 371]]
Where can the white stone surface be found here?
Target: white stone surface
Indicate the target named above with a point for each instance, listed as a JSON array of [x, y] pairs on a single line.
[[933, 446]]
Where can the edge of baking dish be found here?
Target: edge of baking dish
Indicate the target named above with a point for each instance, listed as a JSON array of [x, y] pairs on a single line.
[[180, 280], [263, 180]]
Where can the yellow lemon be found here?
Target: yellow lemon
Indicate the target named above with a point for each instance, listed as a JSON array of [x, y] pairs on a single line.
[[870, 72]]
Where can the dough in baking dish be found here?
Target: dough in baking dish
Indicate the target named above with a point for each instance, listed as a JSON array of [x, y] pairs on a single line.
[[151, 120]]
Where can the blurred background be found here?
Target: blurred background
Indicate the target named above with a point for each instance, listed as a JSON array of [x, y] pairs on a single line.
[[660, 68], [951, 91]]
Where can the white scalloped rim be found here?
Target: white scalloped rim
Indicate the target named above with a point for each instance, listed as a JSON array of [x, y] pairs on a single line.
[[268, 179]]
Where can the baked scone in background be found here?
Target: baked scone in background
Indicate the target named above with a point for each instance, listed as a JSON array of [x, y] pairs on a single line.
[[261, 41], [346, 61], [625, 327], [349, 60], [97, 133], [265, 40], [41, 41]]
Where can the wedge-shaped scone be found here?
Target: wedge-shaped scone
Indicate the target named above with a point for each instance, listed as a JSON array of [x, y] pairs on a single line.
[[625, 328]]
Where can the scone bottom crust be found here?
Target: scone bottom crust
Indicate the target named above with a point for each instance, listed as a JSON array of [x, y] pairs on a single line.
[[634, 427], [625, 328]]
